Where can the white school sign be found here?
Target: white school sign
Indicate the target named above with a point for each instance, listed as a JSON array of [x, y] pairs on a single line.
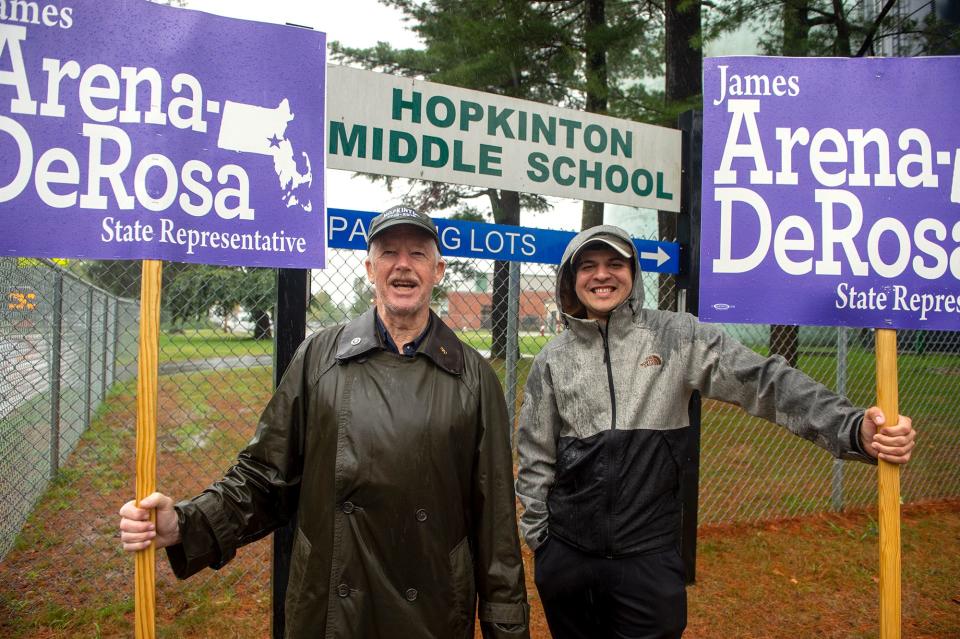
[[391, 125]]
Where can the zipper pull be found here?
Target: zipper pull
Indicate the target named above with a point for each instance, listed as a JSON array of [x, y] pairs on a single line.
[[606, 348]]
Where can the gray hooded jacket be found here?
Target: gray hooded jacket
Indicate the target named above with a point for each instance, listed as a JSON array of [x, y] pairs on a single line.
[[601, 438]]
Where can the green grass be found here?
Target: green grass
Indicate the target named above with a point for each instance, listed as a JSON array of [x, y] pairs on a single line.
[[924, 388], [52, 616], [209, 344], [46, 593], [480, 340]]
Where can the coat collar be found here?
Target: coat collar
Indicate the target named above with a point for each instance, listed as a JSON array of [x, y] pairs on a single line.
[[619, 320], [440, 345]]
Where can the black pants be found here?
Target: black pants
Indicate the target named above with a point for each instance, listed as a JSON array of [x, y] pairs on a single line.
[[590, 597]]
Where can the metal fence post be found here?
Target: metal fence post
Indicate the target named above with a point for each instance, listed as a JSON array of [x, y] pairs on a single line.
[[106, 351], [837, 488], [88, 363], [116, 340], [293, 292], [688, 235], [513, 341], [56, 340]]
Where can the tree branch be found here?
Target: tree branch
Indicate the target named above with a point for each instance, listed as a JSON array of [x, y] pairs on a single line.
[[868, 41]]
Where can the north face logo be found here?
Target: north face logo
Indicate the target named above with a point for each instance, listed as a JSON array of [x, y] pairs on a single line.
[[652, 360]]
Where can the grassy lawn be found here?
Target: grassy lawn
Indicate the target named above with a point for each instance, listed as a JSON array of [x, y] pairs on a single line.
[[66, 576], [791, 477], [926, 380], [480, 340], [209, 344], [753, 470]]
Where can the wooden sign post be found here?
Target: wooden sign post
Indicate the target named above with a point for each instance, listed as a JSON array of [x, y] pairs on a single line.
[[145, 561], [889, 490]]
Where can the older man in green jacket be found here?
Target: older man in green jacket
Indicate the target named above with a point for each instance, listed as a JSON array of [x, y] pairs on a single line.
[[388, 440]]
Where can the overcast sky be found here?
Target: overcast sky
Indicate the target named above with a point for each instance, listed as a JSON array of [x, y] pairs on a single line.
[[358, 23]]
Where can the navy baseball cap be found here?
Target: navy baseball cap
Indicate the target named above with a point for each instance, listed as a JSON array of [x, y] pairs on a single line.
[[397, 215]]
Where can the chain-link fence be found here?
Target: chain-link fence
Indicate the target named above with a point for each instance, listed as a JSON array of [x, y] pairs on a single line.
[[753, 470], [67, 411], [63, 344]]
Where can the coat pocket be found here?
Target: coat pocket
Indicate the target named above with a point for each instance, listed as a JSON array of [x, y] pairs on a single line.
[[463, 589], [299, 560]]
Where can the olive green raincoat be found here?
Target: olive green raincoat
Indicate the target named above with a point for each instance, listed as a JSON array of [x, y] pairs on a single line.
[[398, 472]]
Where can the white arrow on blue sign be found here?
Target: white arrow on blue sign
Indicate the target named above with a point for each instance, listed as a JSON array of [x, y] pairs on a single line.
[[659, 257], [347, 229]]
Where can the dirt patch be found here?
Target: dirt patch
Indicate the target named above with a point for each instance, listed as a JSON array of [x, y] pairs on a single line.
[[948, 370]]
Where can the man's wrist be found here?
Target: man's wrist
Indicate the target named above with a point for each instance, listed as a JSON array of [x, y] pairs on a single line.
[[181, 521], [857, 442]]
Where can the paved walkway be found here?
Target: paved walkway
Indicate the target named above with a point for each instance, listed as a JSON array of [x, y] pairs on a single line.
[[25, 369], [215, 363]]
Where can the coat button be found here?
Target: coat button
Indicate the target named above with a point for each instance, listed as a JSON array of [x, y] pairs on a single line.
[[347, 507], [421, 515], [411, 594], [343, 590]]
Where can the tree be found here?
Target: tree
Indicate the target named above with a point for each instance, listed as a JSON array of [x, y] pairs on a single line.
[[324, 310], [120, 277], [461, 270], [683, 67], [192, 291], [257, 288], [363, 296], [839, 28], [621, 46], [596, 86]]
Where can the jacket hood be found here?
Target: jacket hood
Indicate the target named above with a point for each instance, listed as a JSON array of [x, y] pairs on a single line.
[[567, 299]]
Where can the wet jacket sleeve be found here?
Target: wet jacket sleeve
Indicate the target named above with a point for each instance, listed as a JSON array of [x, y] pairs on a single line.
[[258, 494], [537, 437], [503, 610], [722, 368]]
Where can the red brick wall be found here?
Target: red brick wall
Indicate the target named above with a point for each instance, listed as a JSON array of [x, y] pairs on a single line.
[[465, 310]]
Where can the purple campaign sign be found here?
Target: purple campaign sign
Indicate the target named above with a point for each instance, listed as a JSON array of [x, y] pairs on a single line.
[[831, 192], [130, 130]]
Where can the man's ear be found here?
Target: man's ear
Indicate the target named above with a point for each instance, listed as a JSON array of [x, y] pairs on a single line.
[[368, 263], [569, 303], [441, 269]]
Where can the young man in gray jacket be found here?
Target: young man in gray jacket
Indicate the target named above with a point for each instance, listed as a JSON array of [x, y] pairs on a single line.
[[601, 441]]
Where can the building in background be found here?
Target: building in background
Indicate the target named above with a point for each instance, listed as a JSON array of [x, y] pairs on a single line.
[[468, 302], [907, 19]]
